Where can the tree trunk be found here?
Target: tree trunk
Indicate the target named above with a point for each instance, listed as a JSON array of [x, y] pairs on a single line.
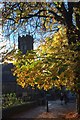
[[73, 30], [47, 106], [73, 36]]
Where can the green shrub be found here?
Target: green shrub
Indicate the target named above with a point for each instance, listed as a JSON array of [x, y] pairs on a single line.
[[10, 99]]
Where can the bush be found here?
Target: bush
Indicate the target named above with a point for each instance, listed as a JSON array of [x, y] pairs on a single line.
[[10, 99]]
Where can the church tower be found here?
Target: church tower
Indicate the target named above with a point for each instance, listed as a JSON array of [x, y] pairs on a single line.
[[25, 43]]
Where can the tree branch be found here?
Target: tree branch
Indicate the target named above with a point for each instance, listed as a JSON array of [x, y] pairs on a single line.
[[57, 17]]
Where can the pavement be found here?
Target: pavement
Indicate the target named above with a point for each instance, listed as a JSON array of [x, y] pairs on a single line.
[[56, 110]]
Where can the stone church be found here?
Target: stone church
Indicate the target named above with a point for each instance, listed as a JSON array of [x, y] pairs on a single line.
[[8, 80]]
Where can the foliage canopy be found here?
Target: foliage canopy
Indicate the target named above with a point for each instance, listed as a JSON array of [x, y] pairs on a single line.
[[52, 64], [37, 18]]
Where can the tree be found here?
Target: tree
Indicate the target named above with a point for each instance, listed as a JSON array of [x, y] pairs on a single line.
[[49, 66], [44, 15], [41, 16]]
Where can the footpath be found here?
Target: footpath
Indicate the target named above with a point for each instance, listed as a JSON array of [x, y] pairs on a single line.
[[56, 111]]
